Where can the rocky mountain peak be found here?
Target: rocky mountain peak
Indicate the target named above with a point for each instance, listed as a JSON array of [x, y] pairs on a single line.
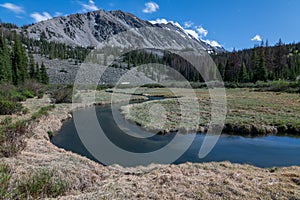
[[93, 28]]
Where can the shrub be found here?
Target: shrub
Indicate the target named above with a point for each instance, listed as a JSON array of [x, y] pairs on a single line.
[[28, 94], [9, 107], [153, 85], [42, 112], [42, 184], [16, 96], [12, 138], [105, 87], [25, 111], [34, 87], [50, 134], [6, 121], [62, 95]]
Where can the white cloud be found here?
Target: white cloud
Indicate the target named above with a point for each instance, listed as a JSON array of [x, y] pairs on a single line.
[[257, 38], [40, 17], [192, 33], [57, 14], [160, 21], [188, 24], [91, 6], [12, 7], [198, 32], [202, 32], [187, 31], [151, 7], [212, 43]]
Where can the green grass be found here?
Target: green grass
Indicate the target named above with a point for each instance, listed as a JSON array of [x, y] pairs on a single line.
[[5, 177], [246, 107], [13, 133], [42, 183], [44, 111]]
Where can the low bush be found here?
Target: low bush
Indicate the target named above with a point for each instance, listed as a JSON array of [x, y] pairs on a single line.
[[12, 137], [28, 94], [9, 107], [153, 85], [44, 111], [62, 95]]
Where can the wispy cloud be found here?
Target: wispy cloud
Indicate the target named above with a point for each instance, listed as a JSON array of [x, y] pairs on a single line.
[[188, 24], [192, 33], [256, 38], [198, 32], [212, 43], [57, 14], [40, 17], [202, 32], [160, 21], [151, 7], [90, 6], [187, 31], [12, 7]]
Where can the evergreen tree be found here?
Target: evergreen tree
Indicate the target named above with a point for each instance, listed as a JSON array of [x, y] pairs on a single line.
[[5, 65], [229, 72], [37, 74], [31, 67], [262, 70], [243, 76], [19, 62], [221, 70], [254, 66], [44, 75]]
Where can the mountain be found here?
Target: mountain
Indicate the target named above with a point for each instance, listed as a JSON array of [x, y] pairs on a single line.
[[124, 29]]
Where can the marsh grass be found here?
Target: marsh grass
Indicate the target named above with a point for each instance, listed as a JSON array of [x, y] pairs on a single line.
[[41, 184], [14, 133], [245, 108]]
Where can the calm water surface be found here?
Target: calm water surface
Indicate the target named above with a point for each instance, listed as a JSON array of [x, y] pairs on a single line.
[[261, 151]]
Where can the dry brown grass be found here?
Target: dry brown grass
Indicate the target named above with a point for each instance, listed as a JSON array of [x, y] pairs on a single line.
[[89, 180]]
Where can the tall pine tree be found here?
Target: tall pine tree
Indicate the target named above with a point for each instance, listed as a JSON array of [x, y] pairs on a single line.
[[19, 62], [44, 75]]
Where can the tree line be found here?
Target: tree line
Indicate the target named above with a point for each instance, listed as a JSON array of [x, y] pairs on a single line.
[[261, 63], [17, 64]]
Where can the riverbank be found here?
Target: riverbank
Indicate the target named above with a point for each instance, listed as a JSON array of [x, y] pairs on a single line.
[[249, 113], [90, 180]]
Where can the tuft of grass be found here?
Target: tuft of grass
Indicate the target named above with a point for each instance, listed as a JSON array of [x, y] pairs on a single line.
[[272, 170], [12, 137], [41, 184], [5, 176], [50, 134], [44, 111], [9, 107], [13, 134]]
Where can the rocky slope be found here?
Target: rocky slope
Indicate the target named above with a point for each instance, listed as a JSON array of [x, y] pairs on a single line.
[[93, 28]]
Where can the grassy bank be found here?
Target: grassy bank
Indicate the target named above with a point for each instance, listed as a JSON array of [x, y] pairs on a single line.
[[42, 170], [250, 112]]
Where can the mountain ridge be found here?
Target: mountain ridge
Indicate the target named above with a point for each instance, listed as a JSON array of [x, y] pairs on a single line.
[[93, 28]]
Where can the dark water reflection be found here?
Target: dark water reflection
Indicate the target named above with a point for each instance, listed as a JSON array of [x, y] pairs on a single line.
[[262, 152]]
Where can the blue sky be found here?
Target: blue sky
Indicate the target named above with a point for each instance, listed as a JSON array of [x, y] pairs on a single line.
[[231, 23]]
